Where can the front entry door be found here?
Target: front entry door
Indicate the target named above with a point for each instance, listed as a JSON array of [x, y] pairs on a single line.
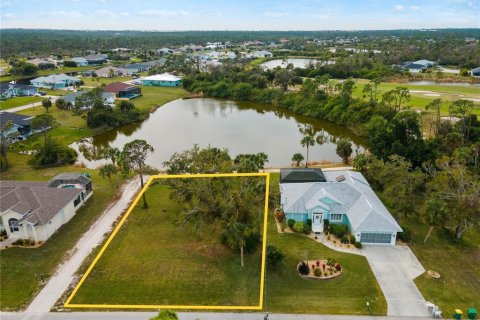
[[317, 222]]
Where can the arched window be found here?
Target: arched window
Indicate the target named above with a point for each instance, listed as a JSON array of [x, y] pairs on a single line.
[[11, 224]]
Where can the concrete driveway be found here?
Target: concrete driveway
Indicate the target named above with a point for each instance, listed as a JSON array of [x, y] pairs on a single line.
[[395, 267]]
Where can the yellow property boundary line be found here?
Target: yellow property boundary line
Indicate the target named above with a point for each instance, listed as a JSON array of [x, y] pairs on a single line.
[[122, 221]]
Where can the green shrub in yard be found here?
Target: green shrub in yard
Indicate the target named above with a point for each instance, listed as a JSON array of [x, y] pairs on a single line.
[[303, 268], [317, 272], [301, 227], [309, 222], [358, 245], [290, 223], [165, 315], [405, 236], [352, 239], [344, 240], [338, 229]]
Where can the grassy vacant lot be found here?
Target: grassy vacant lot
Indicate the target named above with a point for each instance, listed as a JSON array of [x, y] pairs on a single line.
[[49, 72], [154, 260], [18, 101], [424, 94], [457, 262], [20, 265], [98, 81], [287, 292], [154, 97]]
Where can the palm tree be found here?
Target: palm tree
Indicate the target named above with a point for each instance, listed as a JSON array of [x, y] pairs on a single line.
[[236, 234], [307, 141], [435, 105]]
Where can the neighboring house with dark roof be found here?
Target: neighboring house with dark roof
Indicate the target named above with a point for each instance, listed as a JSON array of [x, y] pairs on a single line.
[[262, 54], [413, 67], [107, 98], [475, 72], [36, 210], [90, 60], [301, 175], [122, 90], [55, 81], [9, 90], [345, 197], [154, 63], [20, 124], [135, 68]]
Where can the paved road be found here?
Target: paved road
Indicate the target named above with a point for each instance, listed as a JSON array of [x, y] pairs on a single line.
[[188, 316], [64, 275], [395, 267], [31, 105]]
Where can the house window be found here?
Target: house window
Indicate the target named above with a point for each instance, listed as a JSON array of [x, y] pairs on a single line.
[[11, 223], [77, 201], [335, 217]]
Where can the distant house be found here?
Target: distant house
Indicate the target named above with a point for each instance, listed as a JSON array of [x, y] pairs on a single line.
[[55, 81], [3, 71], [135, 67], [91, 60], [262, 54], [341, 197], [20, 125], [107, 98], [162, 80], [154, 63], [413, 67], [80, 61], [165, 50], [107, 72], [426, 63], [38, 61], [9, 90], [35, 210], [123, 91], [475, 72]]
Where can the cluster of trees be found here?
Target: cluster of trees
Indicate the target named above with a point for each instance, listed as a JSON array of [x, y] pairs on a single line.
[[20, 68], [235, 204]]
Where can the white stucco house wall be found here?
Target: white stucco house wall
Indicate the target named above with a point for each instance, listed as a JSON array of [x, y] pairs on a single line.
[[35, 210]]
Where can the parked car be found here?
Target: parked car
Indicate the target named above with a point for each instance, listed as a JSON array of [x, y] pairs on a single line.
[[42, 93], [136, 82]]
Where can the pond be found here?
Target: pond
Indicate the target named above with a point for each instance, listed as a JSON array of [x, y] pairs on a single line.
[[241, 127], [436, 83], [297, 63]]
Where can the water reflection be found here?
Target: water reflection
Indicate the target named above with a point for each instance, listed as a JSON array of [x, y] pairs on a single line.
[[241, 127]]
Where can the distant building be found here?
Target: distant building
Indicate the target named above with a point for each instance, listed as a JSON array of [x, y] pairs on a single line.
[[107, 72], [135, 68], [81, 62], [55, 81], [35, 210], [38, 61], [262, 54], [9, 90], [413, 67], [165, 50], [90, 60], [20, 124], [154, 63], [123, 91], [107, 98], [426, 63], [475, 72], [162, 80]]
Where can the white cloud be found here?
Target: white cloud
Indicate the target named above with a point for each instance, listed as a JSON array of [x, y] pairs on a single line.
[[275, 14], [399, 7], [8, 15], [321, 16], [161, 13], [61, 14], [124, 14], [105, 14], [5, 4], [415, 8]]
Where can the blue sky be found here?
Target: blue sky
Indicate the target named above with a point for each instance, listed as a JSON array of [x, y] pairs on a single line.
[[239, 15]]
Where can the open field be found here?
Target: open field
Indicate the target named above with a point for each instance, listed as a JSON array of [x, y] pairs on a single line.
[[154, 259], [457, 262], [98, 81], [154, 97], [287, 292], [421, 95], [21, 267], [18, 101]]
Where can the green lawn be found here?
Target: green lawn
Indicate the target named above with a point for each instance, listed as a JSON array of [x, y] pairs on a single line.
[[457, 262], [155, 260], [49, 72], [419, 100], [154, 97], [287, 292], [18, 101], [19, 266], [98, 81]]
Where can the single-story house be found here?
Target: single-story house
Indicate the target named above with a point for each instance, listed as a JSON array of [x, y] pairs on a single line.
[[122, 90], [426, 63], [35, 209], [39, 61], [262, 54], [20, 124], [9, 90], [3, 71], [154, 63], [55, 81], [80, 61], [162, 80], [413, 67], [107, 72], [107, 98], [135, 68], [90, 60], [341, 197], [475, 72], [165, 50]]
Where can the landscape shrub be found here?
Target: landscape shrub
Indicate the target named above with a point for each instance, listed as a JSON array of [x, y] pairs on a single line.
[[338, 229], [53, 154], [165, 315], [299, 226], [358, 245], [275, 257], [290, 223], [317, 272], [344, 240], [338, 267], [326, 224], [331, 262], [309, 222], [303, 269], [406, 235], [352, 239], [306, 229]]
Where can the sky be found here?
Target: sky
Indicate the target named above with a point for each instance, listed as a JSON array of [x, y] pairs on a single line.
[[175, 15]]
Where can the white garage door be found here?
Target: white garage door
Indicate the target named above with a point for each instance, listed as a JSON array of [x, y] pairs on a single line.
[[371, 237]]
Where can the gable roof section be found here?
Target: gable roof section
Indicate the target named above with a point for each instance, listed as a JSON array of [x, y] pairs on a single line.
[[15, 118], [298, 175]]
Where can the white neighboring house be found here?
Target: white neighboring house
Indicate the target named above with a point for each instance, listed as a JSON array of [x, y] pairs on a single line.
[[35, 210], [262, 54], [341, 197], [107, 72], [107, 98]]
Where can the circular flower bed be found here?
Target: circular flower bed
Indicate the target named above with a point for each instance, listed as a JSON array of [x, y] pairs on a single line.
[[319, 269]]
